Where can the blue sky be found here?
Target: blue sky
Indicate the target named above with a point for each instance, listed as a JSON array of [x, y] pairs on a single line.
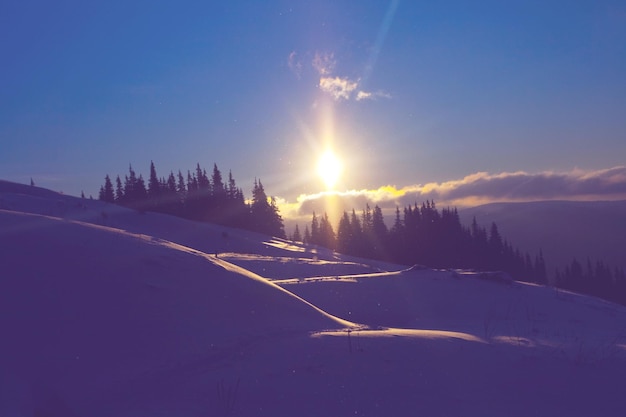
[[422, 97]]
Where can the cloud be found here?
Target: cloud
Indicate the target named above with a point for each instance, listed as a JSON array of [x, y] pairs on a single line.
[[324, 63], [338, 88], [363, 95], [474, 189], [523, 186], [366, 95], [294, 64]]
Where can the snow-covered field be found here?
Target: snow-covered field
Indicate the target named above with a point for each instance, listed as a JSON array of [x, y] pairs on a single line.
[[108, 312]]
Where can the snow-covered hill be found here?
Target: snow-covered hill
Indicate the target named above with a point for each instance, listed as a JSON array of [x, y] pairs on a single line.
[[105, 311]]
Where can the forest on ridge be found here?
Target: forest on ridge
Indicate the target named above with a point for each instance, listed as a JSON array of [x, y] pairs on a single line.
[[197, 197]]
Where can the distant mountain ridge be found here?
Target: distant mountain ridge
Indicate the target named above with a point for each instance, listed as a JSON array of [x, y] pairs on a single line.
[[564, 230]]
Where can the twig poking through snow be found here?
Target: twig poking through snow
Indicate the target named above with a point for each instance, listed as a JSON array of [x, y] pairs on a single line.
[[227, 397]]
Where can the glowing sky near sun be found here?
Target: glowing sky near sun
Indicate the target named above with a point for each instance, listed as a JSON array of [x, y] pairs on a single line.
[[405, 93], [329, 168]]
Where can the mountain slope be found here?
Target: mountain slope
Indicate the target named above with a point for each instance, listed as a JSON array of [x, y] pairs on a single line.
[[127, 314], [93, 301]]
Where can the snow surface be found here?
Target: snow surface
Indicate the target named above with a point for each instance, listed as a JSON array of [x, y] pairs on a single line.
[[105, 311]]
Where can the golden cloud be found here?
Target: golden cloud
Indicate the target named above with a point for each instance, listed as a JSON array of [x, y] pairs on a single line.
[[474, 189]]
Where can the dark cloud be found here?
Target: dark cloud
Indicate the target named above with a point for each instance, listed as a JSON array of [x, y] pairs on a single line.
[[608, 183]]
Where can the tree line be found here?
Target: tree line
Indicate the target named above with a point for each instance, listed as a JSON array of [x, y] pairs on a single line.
[[595, 278], [424, 235], [197, 196]]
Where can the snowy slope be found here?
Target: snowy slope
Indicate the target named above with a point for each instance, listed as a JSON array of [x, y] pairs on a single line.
[[108, 312], [82, 301]]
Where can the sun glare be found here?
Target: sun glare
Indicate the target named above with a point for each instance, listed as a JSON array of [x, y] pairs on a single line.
[[329, 169]]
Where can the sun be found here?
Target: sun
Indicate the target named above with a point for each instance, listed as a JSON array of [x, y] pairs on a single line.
[[329, 169]]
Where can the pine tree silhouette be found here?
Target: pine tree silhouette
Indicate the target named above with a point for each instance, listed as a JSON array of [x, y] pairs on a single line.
[[106, 192], [198, 198]]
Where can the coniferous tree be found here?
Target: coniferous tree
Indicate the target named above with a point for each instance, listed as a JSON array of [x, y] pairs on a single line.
[[398, 225], [397, 237], [495, 240], [192, 202], [259, 206], [181, 188], [367, 243], [106, 192], [296, 237], [218, 201], [356, 242], [154, 188], [192, 184], [216, 179], [170, 185], [379, 234], [366, 221], [315, 231], [231, 188], [479, 246], [130, 187], [200, 199], [169, 201], [326, 233], [541, 276], [264, 213], [204, 184], [119, 190], [181, 193], [276, 220], [344, 234], [141, 193]]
